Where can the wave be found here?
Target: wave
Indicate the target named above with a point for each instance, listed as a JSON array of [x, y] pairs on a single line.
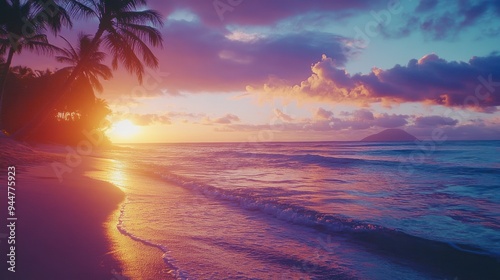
[[325, 161], [291, 160], [381, 239], [466, 170], [169, 261], [287, 212]]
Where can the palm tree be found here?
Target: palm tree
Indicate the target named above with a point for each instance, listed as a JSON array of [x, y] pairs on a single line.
[[92, 67], [99, 111], [23, 72], [43, 73], [124, 30], [22, 24], [2, 63]]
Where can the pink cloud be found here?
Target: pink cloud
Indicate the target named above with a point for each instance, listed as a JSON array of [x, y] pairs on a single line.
[[282, 116], [226, 119], [148, 119], [151, 119]]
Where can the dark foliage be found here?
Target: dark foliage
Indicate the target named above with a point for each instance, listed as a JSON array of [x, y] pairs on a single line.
[[27, 92]]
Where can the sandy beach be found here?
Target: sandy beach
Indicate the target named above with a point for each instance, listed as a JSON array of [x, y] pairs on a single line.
[[60, 232]]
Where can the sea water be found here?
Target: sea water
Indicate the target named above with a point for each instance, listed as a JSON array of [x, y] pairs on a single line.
[[318, 210]]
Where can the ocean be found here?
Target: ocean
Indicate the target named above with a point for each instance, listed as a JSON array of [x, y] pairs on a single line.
[[316, 210]]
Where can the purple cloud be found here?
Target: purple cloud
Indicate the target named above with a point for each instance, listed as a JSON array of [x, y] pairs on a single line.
[[259, 12], [460, 132], [435, 121], [324, 120], [322, 114], [391, 121], [474, 84], [363, 119], [356, 124], [203, 59]]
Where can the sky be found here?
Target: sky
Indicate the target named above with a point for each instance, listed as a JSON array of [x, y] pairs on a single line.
[[292, 70]]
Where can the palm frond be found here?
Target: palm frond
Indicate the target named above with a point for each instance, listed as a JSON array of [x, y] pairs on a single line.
[[148, 56], [81, 10], [127, 34], [140, 17], [70, 53], [122, 51], [89, 59], [102, 70], [40, 44], [132, 4], [64, 59], [54, 15], [146, 33], [95, 83]]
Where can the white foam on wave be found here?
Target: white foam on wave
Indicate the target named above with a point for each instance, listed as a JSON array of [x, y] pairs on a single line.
[[285, 212]]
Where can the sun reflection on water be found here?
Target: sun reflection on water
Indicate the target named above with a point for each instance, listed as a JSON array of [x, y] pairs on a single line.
[[117, 175], [112, 171]]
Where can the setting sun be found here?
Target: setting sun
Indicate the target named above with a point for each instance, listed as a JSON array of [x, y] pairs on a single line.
[[124, 129]]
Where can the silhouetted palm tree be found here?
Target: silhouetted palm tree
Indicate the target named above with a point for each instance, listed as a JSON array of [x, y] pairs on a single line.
[[92, 67], [43, 73], [100, 110], [124, 30], [22, 24], [2, 64], [23, 72]]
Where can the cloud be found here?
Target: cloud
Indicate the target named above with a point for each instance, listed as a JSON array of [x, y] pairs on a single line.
[[432, 80], [201, 59], [357, 124], [440, 19], [391, 121], [363, 119], [151, 119], [322, 114], [226, 119], [148, 119], [259, 12], [282, 116], [324, 120], [434, 121], [459, 132]]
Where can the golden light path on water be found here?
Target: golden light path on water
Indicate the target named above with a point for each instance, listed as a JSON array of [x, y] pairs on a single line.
[[137, 261]]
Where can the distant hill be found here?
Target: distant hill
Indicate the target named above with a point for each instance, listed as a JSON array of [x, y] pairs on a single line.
[[390, 135]]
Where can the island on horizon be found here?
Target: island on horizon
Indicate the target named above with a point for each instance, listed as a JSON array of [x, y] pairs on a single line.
[[390, 135]]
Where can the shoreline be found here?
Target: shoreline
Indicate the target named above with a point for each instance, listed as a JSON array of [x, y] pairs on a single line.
[[61, 231], [139, 260]]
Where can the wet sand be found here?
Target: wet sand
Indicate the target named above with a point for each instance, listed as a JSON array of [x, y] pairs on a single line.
[[61, 229]]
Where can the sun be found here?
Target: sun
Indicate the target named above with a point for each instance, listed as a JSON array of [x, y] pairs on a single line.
[[124, 129]]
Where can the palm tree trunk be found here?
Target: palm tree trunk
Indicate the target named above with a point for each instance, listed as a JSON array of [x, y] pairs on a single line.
[[40, 118], [2, 84]]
